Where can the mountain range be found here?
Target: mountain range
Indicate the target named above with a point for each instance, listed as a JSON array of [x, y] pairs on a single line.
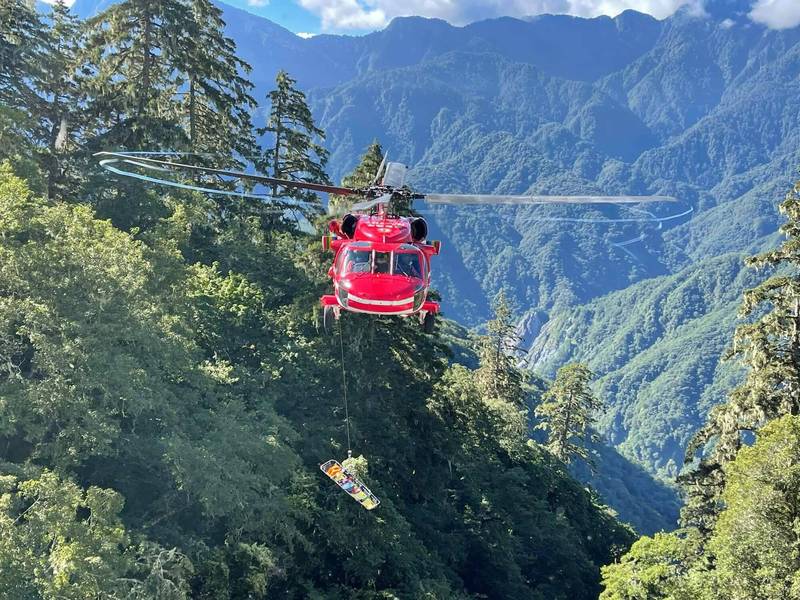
[[703, 106]]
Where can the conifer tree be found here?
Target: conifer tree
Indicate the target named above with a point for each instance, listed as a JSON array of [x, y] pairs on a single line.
[[60, 118], [22, 43], [362, 176], [21, 48], [755, 542], [38, 79], [500, 382], [567, 412], [168, 76], [217, 100], [292, 151], [768, 344], [17, 148], [498, 374], [134, 45], [703, 486]]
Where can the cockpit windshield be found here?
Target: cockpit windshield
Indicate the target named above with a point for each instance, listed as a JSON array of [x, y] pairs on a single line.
[[361, 259]]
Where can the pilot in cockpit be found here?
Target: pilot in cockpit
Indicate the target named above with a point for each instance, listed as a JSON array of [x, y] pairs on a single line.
[[407, 264], [357, 261]]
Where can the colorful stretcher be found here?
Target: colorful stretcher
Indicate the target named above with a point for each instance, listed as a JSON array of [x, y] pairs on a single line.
[[350, 484]]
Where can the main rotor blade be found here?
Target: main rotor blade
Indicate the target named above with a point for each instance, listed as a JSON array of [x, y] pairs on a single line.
[[288, 183], [510, 199]]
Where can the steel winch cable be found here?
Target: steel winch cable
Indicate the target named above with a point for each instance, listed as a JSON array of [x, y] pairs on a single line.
[[344, 391]]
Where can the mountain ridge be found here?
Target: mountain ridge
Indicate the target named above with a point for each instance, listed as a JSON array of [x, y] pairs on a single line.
[[703, 106]]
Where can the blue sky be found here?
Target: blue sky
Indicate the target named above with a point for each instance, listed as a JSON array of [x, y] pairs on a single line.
[[287, 13]]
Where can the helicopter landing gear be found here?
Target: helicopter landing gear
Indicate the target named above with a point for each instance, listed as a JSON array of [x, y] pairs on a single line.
[[428, 322], [329, 318], [330, 313], [427, 316]]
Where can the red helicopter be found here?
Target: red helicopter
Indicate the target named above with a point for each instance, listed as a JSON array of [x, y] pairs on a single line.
[[382, 263], [382, 260], [382, 266]]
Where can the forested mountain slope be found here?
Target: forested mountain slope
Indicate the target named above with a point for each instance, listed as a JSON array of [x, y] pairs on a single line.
[[166, 394], [194, 409], [703, 105], [656, 347]]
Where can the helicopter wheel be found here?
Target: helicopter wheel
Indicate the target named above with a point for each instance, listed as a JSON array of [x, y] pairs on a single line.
[[329, 319], [429, 322]]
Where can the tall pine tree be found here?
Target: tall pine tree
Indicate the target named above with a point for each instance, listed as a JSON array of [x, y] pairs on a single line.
[[498, 374], [38, 80], [134, 45], [768, 344], [567, 412], [168, 78], [362, 176], [291, 150], [61, 120], [22, 48], [22, 43], [499, 380], [217, 101]]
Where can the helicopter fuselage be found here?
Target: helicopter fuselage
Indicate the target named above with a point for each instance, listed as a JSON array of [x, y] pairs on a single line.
[[379, 267]]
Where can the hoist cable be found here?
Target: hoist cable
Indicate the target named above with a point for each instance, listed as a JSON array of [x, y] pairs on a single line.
[[344, 390]]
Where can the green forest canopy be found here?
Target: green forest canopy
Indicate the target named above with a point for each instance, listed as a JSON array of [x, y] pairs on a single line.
[[166, 398], [165, 394], [739, 525]]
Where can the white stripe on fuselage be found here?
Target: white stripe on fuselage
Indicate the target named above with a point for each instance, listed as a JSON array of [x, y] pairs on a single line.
[[407, 311], [352, 298]]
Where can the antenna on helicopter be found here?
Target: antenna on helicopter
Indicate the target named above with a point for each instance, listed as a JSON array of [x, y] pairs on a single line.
[[380, 170]]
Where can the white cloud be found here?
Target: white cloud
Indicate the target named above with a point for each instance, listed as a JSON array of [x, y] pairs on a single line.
[[695, 8], [373, 14], [67, 2], [348, 14], [257, 3], [776, 14], [305, 35], [658, 8], [727, 23]]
